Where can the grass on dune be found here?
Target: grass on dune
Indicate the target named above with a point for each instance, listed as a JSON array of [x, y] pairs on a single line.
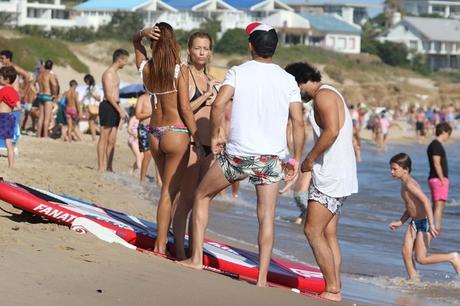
[[28, 49], [359, 68]]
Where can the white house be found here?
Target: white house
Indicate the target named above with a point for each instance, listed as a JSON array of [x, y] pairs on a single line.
[[94, 13], [291, 27], [437, 38], [332, 32], [347, 10], [444, 8], [181, 14], [42, 13], [249, 11]]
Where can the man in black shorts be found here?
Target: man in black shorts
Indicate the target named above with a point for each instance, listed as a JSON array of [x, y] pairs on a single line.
[[110, 111]]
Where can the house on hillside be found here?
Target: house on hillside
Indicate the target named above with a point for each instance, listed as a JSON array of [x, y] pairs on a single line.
[[47, 14], [331, 32], [181, 14], [95, 13], [350, 12], [437, 38], [443, 8], [251, 10], [291, 27], [322, 30]]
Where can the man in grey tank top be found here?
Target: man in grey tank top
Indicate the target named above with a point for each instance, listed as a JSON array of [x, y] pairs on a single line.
[[333, 166]]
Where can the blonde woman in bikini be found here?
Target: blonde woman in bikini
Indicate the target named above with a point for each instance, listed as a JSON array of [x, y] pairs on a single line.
[[172, 122], [202, 92]]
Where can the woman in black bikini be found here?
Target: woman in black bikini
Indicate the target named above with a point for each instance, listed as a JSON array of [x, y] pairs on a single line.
[[202, 92], [172, 122]]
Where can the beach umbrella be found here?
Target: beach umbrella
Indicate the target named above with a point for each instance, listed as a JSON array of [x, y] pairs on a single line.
[[132, 91]]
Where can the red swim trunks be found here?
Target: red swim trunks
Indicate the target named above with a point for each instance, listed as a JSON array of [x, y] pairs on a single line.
[[439, 190]]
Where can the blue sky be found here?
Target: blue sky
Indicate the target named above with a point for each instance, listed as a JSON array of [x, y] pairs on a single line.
[[376, 5]]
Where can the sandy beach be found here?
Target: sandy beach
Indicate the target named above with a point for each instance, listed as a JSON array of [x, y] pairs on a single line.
[[48, 264]]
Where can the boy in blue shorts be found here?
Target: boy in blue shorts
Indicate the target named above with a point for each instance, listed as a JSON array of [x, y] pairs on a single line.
[[9, 99], [421, 226]]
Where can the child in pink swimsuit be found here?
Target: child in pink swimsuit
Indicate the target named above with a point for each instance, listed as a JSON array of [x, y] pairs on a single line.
[[133, 143]]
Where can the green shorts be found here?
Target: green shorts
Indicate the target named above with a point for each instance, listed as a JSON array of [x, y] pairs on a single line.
[[261, 169]]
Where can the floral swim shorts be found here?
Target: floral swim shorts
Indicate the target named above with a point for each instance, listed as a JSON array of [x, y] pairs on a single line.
[[261, 169], [143, 137], [334, 205]]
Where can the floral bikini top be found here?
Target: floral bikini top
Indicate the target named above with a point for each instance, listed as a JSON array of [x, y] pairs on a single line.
[[155, 94]]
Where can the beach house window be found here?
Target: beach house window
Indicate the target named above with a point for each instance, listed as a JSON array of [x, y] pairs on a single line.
[[426, 45], [331, 42], [438, 9], [351, 43], [413, 44], [437, 46], [455, 11], [341, 43]]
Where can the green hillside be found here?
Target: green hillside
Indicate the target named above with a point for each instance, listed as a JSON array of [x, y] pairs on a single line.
[[28, 49]]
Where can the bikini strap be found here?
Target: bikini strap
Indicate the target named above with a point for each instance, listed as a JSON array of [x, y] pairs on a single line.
[[141, 68], [193, 77], [155, 94]]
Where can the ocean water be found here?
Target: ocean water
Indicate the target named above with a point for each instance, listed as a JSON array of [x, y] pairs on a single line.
[[373, 270]]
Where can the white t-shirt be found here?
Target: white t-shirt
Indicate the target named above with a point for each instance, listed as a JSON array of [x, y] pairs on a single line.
[[260, 108], [85, 95]]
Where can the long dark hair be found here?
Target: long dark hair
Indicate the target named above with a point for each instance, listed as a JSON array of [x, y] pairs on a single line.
[[90, 79], [165, 53]]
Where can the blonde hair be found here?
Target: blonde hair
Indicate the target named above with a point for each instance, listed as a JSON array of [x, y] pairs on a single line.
[[192, 37]]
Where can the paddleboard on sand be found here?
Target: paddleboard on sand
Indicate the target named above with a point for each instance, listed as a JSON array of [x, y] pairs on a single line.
[[142, 233]]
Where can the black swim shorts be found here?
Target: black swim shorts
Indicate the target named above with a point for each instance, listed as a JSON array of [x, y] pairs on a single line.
[[108, 115]]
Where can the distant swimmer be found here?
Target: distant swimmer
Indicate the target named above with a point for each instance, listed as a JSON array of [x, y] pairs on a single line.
[[48, 92], [421, 225], [438, 179], [332, 164]]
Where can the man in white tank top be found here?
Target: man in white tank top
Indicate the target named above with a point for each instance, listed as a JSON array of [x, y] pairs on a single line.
[[333, 166], [264, 97]]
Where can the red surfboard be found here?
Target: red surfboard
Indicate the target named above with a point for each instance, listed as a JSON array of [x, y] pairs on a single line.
[[142, 234]]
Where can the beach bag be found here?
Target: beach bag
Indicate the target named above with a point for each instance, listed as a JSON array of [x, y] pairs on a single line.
[[93, 109]]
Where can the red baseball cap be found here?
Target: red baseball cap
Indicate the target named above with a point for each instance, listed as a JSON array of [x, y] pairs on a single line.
[[263, 38], [257, 26]]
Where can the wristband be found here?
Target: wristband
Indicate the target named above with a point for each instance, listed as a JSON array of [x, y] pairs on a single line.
[[293, 162]]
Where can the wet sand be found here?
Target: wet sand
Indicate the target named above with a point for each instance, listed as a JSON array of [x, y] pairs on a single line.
[[45, 263]]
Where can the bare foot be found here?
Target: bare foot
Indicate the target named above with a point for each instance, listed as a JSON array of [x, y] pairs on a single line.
[[298, 220], [159, 249], [456, 262], [189, 263], [414, 278], [332, 296], [261, 284]]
